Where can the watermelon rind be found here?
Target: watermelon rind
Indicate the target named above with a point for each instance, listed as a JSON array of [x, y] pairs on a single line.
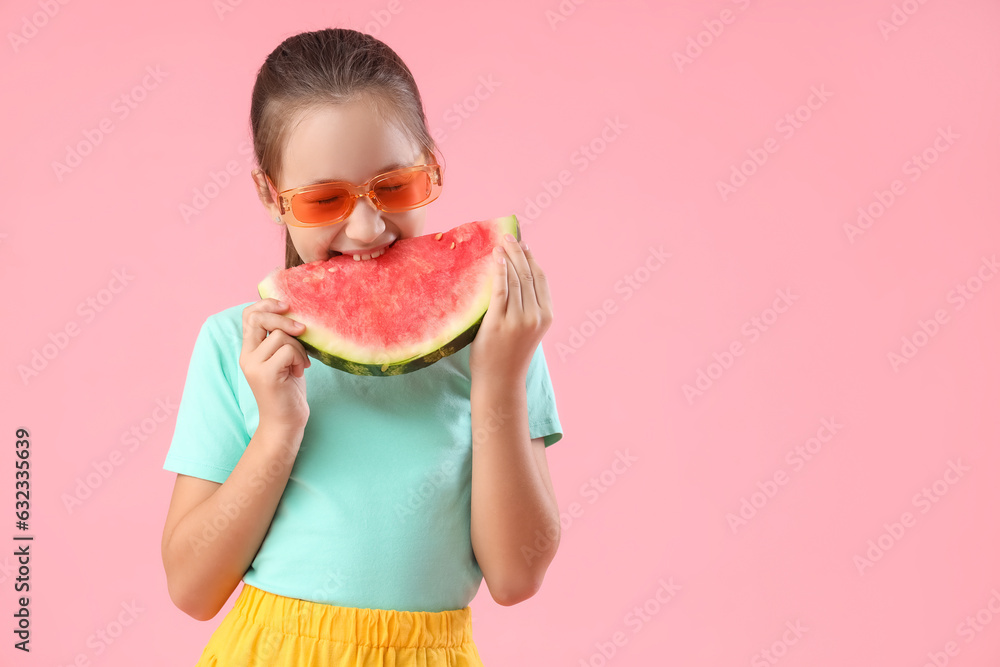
[[338, 353]]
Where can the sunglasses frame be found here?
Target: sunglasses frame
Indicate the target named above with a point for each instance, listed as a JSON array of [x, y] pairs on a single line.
[[286, 197]]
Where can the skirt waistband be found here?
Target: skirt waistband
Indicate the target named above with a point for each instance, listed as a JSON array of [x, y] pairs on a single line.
[[355, 625]]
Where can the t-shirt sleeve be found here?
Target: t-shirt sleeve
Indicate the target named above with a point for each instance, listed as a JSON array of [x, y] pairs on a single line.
[[210, 435], [543, 418]]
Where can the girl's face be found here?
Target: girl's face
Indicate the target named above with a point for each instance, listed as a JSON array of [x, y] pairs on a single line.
[[346, 142]]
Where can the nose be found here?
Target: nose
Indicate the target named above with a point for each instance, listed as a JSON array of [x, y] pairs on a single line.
[[365, 223]]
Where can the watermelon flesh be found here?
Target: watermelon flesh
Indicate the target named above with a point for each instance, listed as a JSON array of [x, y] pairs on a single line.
[[420, 301]]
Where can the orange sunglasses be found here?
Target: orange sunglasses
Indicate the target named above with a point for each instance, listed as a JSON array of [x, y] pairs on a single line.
[[329, 203]]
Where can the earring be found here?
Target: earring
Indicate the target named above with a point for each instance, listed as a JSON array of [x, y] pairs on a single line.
[[277, 219]]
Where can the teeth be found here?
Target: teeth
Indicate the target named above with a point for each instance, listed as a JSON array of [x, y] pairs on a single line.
[[358, 258]]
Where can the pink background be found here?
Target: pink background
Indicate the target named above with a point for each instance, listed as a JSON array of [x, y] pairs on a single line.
[[620, 356]]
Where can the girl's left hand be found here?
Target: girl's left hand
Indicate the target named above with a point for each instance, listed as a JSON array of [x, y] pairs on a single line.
[[519, 313]]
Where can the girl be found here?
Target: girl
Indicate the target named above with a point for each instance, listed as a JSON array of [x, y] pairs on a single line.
[[362, 514]]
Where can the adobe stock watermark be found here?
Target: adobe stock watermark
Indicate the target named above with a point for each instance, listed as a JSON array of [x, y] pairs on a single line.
[[7, 569], [796, 458], [105, 636], [592, 490], [636, 619], [926, 330], [224, 7], [627, 286], [562, 12], [381, 18], [432, 482], [779, 647], [968, 629], [229, 511], [924, 500], [786, 126], [585, 155], [266, 649], [31, 25], [752, 329], [461, 111], [493, 422], [122, 108], [103, 468], [713, 29], [899, 17], [217, 182], [914, 167], [87, 310]]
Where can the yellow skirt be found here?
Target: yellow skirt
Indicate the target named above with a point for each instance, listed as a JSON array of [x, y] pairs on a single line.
[[267, 629]]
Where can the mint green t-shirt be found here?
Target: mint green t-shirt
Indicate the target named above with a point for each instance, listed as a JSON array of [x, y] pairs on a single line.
[[377, 509]]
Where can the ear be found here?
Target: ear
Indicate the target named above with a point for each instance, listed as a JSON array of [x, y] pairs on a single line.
[[264, 193]]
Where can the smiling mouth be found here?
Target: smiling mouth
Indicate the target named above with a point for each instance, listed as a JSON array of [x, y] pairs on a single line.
[[361, 256]]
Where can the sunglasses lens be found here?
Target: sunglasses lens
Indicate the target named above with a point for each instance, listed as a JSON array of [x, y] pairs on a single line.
[[400, 190], [321, 205], [404, 191]]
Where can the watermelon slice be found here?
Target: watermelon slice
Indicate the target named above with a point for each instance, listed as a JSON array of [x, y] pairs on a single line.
[[420, 301]]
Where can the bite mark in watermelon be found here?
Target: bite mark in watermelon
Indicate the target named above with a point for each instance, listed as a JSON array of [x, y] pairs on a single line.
[[420, 301]]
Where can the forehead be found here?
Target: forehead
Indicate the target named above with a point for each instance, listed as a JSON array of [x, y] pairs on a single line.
[[343, 142]]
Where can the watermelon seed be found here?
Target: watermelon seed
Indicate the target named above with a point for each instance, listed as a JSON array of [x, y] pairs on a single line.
[[437, 237], [452, 246]]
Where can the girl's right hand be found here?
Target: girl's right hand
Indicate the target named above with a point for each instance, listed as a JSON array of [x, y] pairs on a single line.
[[274, 364]]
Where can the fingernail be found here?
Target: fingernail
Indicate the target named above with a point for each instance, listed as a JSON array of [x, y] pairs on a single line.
[[282, 304], [509, 237]]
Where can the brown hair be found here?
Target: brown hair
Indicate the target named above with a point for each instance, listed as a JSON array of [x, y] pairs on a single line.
[[335, 65]]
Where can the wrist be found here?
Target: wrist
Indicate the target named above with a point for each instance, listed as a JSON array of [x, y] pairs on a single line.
[[501, 379], [279, 433]]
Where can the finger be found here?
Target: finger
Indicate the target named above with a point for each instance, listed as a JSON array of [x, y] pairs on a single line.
[[274, 343], [286, 324], [513, 247], [520, 277], [513, 283], [529, 300], [498, 299], [285, 357], [542, 293], [262, 328], [269, 346], [253, 334], [296, 345], [258, 324]]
